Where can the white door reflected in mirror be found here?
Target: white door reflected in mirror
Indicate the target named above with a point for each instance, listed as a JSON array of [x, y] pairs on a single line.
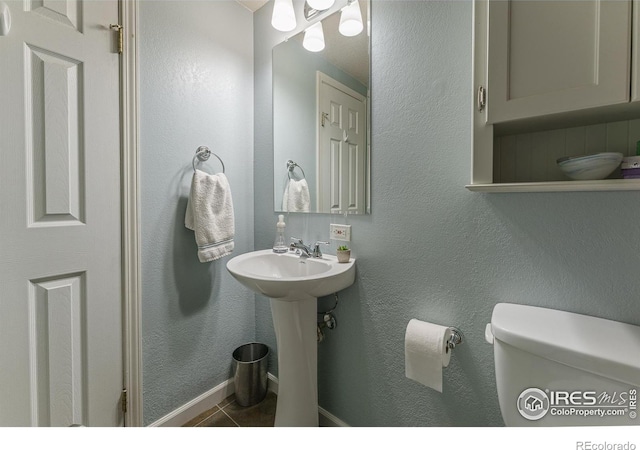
[[341, 147]]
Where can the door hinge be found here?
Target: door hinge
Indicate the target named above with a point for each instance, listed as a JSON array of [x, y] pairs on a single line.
[[120, 31], [482, 98], [325, 116], [123, 401]]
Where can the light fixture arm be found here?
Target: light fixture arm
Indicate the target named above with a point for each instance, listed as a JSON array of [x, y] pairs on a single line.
[[309, 12]]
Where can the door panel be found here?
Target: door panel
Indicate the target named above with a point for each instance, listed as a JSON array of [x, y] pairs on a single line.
[[57, 314], [335, 176], [53, 138], [60, 245], [65, 12]]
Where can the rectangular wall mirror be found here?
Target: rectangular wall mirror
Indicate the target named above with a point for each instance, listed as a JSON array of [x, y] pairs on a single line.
[[321, 120]]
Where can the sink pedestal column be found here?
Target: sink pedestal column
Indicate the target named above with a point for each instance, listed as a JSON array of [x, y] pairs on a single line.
[[294, 320]]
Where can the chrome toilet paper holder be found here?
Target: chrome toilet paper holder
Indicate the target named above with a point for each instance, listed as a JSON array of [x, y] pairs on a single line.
[[456, 338]]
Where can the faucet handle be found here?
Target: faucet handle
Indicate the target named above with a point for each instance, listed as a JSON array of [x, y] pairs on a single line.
[[316, 248], [292, 245]]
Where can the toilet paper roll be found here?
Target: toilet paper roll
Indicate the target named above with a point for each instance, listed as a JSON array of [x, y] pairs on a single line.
[[425, 352]]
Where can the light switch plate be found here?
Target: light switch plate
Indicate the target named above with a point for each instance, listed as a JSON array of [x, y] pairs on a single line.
[[340, 232]]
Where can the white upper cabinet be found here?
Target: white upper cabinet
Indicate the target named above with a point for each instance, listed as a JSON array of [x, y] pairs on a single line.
[[553, 78], [635, 46], [548, 57]]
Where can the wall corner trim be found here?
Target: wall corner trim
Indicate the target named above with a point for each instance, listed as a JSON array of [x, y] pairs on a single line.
[[131, 243]]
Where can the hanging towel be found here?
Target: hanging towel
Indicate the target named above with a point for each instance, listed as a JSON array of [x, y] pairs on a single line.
[[210, 215], [296, 196]]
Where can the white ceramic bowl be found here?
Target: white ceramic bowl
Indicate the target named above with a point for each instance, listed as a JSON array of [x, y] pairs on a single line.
[[590, 167]]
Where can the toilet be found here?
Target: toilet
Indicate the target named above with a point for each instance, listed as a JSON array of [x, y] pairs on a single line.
[[555, 368]]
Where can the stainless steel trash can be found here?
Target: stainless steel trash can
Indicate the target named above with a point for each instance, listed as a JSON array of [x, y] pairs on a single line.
[[250, 373]]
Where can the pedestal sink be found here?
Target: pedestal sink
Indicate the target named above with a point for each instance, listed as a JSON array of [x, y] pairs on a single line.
[[293, 284]]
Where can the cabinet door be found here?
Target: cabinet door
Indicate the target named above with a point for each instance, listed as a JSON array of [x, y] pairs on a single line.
[[635, 53], [547, 57]]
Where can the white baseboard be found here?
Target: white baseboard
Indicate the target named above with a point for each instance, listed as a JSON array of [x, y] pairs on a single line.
[[196, 406], [329, 420], [214, 396], [273, 383]]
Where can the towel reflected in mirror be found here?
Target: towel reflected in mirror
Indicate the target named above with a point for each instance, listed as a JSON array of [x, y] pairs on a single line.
[[296, 196]]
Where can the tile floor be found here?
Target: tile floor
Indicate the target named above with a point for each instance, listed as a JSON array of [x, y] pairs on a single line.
[[229, 414]]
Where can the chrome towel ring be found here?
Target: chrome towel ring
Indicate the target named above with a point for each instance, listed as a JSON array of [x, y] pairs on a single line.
[[203, 154], [291, 166]]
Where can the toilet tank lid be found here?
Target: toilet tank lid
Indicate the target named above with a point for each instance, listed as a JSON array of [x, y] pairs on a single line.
[[600, 346]]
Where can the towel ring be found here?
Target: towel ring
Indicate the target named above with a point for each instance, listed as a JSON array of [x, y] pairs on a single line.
[[202, 154], [291, 166]]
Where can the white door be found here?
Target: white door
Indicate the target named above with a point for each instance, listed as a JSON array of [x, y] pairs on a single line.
[[341, 148], [548, 57], [60, 256]]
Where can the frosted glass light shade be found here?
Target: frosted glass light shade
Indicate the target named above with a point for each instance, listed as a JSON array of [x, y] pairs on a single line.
[[321, 5], [351, 20], [283, 18], [314, 38]]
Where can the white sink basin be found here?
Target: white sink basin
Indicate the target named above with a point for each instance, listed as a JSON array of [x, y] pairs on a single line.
[[287, 275]]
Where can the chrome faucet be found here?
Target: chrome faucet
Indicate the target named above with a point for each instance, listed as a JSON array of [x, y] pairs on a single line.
[[298, 246], [305, 251]]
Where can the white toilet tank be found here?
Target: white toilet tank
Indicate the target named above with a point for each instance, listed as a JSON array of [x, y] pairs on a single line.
[[555, 368]]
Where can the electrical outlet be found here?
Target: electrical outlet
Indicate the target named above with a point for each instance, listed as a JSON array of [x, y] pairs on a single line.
[[340, 232]]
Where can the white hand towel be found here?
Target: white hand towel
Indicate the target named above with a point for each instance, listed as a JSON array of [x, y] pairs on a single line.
[[296, 196], [210, 215]]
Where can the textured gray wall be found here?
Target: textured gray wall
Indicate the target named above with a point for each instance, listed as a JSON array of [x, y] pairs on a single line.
[[196, 83], [431, 249]]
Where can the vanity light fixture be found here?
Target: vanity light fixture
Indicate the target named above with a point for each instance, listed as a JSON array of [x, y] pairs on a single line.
[[314, 38], [321, 5], [283, 18], [351, 19]]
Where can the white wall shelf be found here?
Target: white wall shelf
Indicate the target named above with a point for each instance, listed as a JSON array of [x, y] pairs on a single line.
[[559, 186]]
